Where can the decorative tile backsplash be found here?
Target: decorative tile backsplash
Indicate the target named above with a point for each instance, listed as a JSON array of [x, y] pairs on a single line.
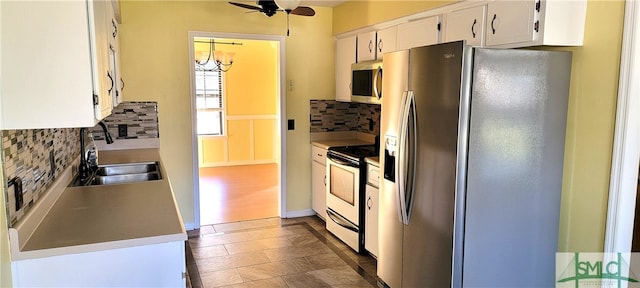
[[139, 119], [27, 154], [36, 157], [331, 115]]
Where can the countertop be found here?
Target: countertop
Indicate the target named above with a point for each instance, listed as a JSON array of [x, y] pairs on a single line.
[[325, 144], [373, 160], [92, 218]]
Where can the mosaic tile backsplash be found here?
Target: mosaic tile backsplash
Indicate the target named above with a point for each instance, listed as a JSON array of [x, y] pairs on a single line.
[[331, 116], [37, 156], [138, 119]]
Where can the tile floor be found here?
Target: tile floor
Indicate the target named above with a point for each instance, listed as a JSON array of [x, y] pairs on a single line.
[[274, 252]]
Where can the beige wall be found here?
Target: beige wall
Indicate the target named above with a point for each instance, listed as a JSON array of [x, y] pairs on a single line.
[[251, 92], [155, 62], [591, 118]]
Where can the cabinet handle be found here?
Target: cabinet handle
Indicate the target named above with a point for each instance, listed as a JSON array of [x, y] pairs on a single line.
[[472, 27], [370, 45], [325, 180], [111, 79], [122, 86], [115, 28], [493, 28], [369, 203], [320, 155], [380, 45]]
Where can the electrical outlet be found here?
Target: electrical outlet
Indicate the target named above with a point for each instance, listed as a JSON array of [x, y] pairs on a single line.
[[122, 130], [291, 85]]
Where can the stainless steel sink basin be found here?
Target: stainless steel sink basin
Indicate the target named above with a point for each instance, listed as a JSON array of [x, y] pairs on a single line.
[[122, 173], [129, 168], [124, 178]]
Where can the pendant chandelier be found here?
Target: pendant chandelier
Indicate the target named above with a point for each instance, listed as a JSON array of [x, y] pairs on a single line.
[[212, 60]]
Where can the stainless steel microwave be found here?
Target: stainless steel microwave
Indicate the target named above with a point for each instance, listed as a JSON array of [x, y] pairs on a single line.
[[366, 82]]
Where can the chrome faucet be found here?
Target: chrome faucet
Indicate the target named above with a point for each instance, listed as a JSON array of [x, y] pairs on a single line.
[[84, 166]]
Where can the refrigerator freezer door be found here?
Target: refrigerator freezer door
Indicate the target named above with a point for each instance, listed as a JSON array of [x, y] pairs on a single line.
[[435, 78], [516, 151], [396, 70]]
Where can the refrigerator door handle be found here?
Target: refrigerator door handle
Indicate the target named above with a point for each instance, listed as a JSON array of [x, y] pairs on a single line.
[[400, 159], [405, 161]]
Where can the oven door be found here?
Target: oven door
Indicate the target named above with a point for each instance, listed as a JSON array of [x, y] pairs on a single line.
[[343, 188]]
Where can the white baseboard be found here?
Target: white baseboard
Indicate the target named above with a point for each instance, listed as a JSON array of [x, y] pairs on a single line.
[[237, 163], [190, 226], [300, 213]]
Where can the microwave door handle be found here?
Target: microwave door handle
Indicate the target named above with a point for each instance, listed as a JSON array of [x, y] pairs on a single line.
[[377, 86]]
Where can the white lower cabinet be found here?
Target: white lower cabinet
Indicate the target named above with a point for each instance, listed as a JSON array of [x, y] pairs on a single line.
[[154, 265], [371, 210], [319, 181]]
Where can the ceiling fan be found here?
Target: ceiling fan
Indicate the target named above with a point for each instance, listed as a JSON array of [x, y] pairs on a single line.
[[270, 7]]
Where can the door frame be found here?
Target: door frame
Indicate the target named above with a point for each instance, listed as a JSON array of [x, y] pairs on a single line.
[[281, 157], [626, 143]]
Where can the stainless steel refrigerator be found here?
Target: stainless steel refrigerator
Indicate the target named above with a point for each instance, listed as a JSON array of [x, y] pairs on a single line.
[[472, 155]]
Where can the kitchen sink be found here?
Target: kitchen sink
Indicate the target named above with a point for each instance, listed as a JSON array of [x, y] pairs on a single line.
[[122, 173], [124, 178], [129, 168]]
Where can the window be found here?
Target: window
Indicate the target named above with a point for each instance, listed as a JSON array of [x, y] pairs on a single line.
[[209, 104]]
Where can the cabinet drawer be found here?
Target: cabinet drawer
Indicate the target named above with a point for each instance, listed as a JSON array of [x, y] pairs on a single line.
[[373, 175], [319, 154]]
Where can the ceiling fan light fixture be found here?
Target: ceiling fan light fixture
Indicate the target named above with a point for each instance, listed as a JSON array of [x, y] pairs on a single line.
[[287, 5]]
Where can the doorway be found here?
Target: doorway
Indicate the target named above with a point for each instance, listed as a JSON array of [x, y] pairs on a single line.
[[237, 105]]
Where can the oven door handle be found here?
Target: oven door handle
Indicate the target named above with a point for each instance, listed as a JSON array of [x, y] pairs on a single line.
[[342, 162], [338, 219]]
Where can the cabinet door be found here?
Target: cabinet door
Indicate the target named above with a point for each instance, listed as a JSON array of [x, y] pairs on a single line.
[[510, 22], [318, 189], [345, 56], [386, 41], [114, 55], [105, 81], [419, 33], [366, 46], [55, 73], [466, 24], [371, 220]]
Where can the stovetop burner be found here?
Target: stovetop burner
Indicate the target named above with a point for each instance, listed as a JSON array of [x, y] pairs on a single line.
[[358, 152]]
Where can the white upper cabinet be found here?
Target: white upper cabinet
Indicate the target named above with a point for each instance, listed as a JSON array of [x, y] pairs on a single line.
[[99, 30], [466, 24], [54, 60], [386, 41], [114, 56], [366, 46], [345, 56], [419, 33], [535, 22]]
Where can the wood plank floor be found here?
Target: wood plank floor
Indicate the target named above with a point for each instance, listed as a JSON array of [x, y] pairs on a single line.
[[238, 193]]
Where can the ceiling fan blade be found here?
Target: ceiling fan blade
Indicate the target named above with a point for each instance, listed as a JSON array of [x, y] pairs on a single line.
[[246, 6], [303, 11]]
